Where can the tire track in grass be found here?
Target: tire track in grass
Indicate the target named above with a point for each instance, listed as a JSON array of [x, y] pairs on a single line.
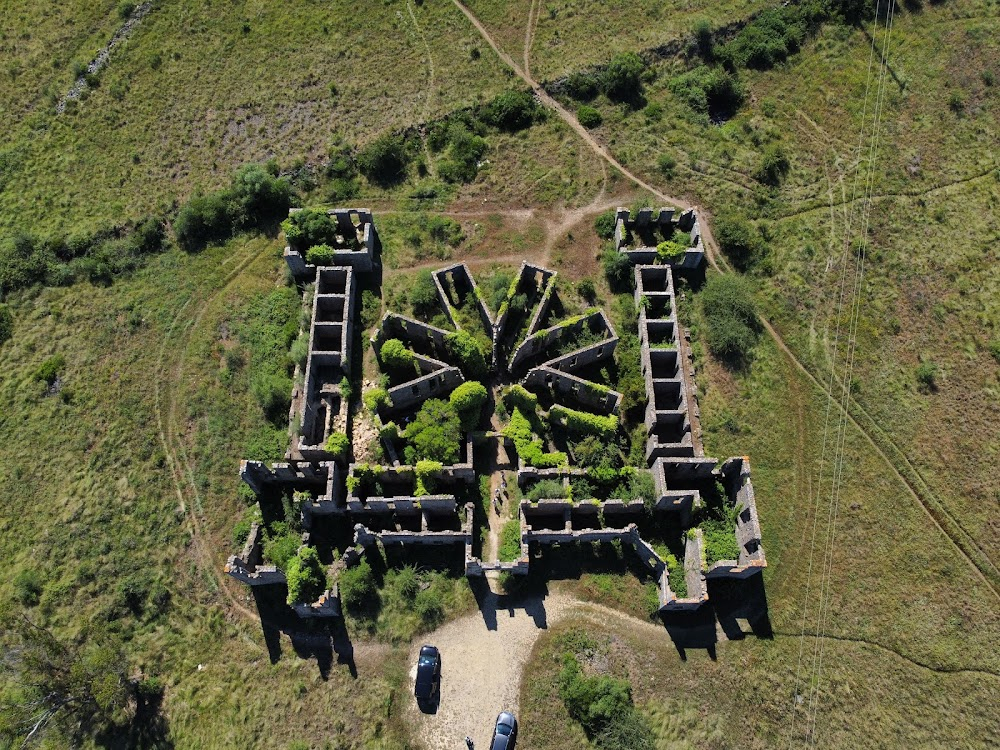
[[965, 545]]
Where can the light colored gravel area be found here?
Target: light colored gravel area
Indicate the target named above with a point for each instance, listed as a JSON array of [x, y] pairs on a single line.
[[482, 657]]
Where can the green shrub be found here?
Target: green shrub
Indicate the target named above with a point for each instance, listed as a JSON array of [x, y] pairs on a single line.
[[273, 392], [203, 219], [465, 149], [927, 374], [547, 489], [469, 355], [468, 400], [621, 80], [586, 289], [125, 9], [708, 90], [338, 445], [6, 324], [774, 165], [376, 398], [320, 255], [256, 195], [667, 165], [49, 370], [703, 38], [676, 577], [425, 472], [529, 448], [618, 270], [306, 577], [583, 423], [357, 586], [671, 251], [429, 607], [740, 240], [396, 357], [517, 396], [731, 317], [719, 540], [424, 295], [993, 347], [28, 586], [588, 116], [626, 731], [434, 432], [510, 540], [384, 161], [279, 549], [308, 227], [583, 86], [593, 701], [511, 111], [771, 37]]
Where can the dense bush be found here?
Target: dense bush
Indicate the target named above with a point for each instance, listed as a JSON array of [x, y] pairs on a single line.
[[518, 397], [618, 270], [434, 433], [588, 116], [465, 150], [927, 374], [396, 357], [768, 39], [375, 398], [547, 489], [6, 324], [384, 161], [281, 545], [712, 91], [49, 370], [320, 255], [468, 354], [424, 295], [467, 401], [510, 541], [731, 316], [593, 701], [529, 448], [583, 86], [511, 110], [774, 165], [604, 224], [583, 423], [253, 197], [357, 586], [671, 251], [621, 80], [740, 240], [338, 445], [308, 227], [305, 576]]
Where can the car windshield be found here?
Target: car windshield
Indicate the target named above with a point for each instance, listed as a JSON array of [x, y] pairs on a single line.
[[503, 729], [426, 661]]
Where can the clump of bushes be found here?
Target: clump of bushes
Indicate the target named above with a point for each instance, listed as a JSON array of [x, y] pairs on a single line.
[[357, 587], [306, 576], [511, 111], [740, 240], [376, 398], [48, 371], [547, 489], [621, 79], [583, 423], [309, 229], [529, 448], [463, 150], [338, 445], [510, 541], [384, 161], [471, 358], [424, 296], [397, 357], [618, 270], [467, 400], [588, 116], [254, 197], [927, 375], [433, 434], [731, 317], [603, 707], [711, 91]]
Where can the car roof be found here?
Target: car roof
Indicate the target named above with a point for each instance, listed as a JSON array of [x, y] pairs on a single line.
[[506, 717], [426, 650]]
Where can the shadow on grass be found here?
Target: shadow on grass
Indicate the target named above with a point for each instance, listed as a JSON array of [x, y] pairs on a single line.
[[319, 639], [147, 729]]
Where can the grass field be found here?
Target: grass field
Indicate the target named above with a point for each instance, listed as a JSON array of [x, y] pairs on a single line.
[[120, 477]]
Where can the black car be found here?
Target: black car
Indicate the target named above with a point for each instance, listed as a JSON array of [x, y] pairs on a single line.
[[427, 687], [505, 733]]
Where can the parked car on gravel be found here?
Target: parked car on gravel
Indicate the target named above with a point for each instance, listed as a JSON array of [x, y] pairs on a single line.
[[505, 732], [427, 687]]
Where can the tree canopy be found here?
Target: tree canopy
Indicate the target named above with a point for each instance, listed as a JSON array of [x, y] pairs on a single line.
[[434, 432]]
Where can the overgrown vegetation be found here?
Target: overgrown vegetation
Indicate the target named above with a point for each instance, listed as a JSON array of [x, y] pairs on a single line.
[[730, 314]]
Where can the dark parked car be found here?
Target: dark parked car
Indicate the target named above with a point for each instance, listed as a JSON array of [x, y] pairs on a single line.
[[427, 687], [505, 734]]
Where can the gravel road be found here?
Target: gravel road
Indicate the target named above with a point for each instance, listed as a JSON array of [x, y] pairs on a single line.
[[483, 655]]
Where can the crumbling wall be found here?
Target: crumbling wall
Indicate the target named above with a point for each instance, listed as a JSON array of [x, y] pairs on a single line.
[[247, 568], [740, 494], [539, 342], [629, 232], [357, 225], [459, 278]]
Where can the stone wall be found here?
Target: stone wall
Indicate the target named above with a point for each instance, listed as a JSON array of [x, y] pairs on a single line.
[[637, 236], [739, 491], [247, 567], [539, 342], [358, 228], [460, 279]]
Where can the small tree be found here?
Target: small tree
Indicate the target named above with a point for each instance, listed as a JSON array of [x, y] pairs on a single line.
[[468, 400], [728, 306], [618, 269], [740, 240], [357, 586], [71, 687], [375, 398], [320, 255], [621, 79], [308, 227], [257, 195], [338, 445], [774, 165], [305, 576], [434, 432], [511, 110], [424, 295], [464, 348], [604, 224], [384, 160], [588, 116], [396, 357]]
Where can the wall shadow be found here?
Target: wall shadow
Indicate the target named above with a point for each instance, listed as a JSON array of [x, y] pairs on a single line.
[[325, 640], [529, 597], [692, 629], [741, 599]]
